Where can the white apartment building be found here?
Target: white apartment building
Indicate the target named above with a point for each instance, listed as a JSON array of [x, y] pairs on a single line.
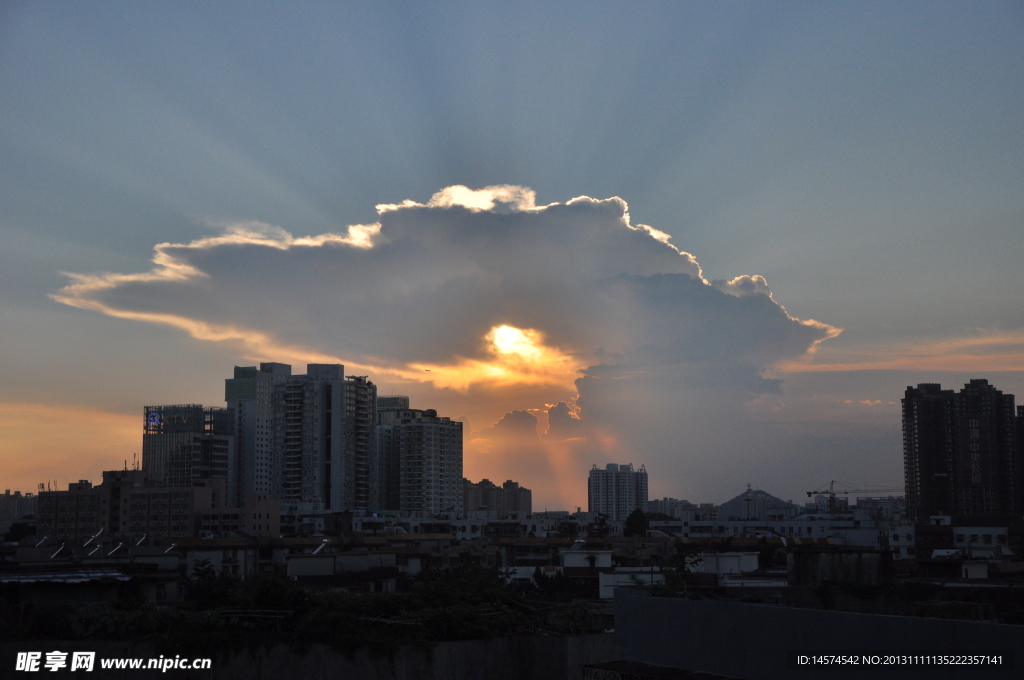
[[617, 490]]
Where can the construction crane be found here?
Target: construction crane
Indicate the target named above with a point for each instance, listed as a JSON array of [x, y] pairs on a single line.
[[831, 492]]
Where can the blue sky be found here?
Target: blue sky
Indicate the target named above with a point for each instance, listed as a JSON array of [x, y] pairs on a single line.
[[867, 159]]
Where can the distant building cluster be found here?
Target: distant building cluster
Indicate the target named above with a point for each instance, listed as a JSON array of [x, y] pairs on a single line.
[[489, 497], [288, 455], [15, 506], [322, 455], [322, 441]]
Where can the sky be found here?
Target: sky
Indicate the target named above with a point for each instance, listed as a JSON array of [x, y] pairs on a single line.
[[715, 239]]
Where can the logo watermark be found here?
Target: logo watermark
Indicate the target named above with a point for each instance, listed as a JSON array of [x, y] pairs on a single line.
[[34, 662]]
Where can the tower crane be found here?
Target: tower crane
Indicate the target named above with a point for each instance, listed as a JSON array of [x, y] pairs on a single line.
[[831, 492]]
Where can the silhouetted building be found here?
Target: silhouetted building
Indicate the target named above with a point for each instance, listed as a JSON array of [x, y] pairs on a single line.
[[128, 502], [14, 506], [306, 438], [961, 453], [673, 507], [486, 495], [250, 395], [185, 443], [420, 456], [617, 490], [257, 516]]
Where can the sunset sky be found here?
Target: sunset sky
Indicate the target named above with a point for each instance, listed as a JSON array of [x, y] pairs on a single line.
[[716, 239]]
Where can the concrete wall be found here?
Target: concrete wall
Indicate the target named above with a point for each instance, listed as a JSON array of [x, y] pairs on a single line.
[[811, 567], [508, 658], [310, 565], [726, 562], [626, 577], [752, 640]]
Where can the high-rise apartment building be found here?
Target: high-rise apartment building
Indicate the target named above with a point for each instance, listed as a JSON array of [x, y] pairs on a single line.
[[389, 453], [307, 438], [249, 395], [961, 452], [185, 443], [617, 490], [420, 462]]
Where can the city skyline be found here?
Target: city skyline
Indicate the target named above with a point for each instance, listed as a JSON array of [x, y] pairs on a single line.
[[453, 201]]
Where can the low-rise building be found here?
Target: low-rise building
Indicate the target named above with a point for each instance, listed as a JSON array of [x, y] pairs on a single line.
[[258, 516], [128, 503]]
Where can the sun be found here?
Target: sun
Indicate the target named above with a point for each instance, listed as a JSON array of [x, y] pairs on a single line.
[[512, 340], [511, 356]]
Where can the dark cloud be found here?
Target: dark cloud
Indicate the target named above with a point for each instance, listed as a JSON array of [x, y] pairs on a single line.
[[563, 423], [514, 426]]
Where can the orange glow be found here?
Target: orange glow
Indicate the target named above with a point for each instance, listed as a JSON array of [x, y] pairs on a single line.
[[69, 443], [554, 469], [515, 356]]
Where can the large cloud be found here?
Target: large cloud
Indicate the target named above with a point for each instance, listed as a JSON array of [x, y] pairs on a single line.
[[483, 294]]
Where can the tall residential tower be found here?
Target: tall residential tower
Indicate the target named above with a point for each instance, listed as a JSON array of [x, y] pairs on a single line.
[[421, 462], [617, 490], [249, 395], [961, 454], [307, 438]]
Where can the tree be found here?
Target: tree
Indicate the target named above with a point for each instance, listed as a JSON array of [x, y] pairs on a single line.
[[636, 523], [20, 530]]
